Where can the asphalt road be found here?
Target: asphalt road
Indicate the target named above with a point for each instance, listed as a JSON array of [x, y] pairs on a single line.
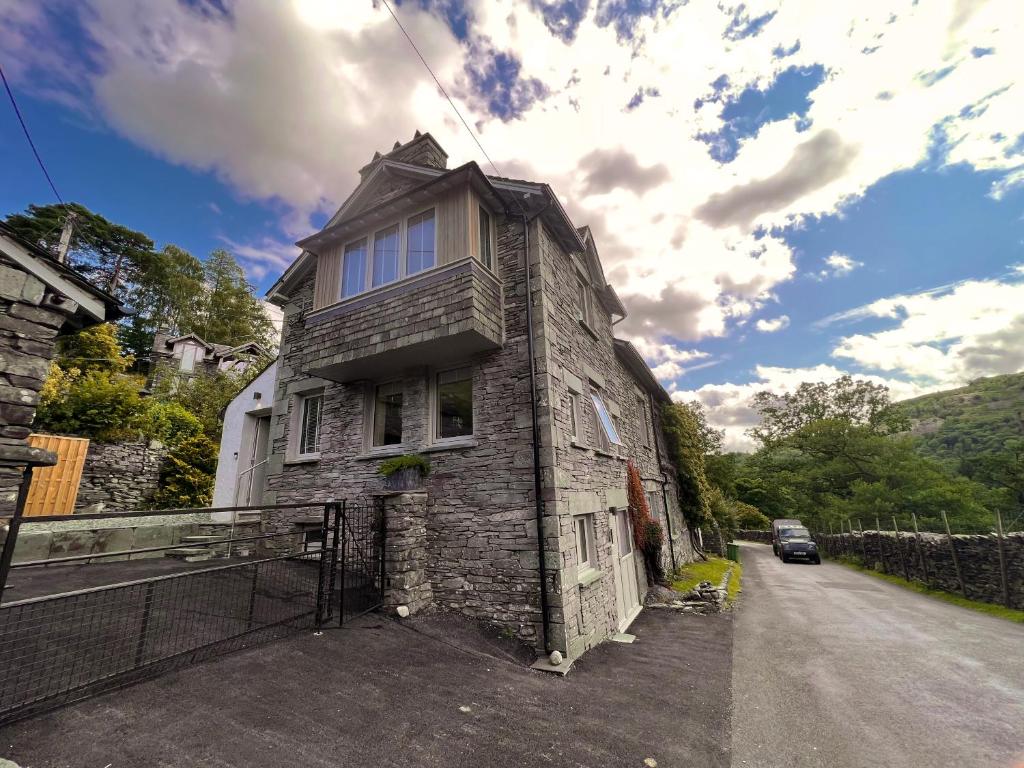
[[836, 668]]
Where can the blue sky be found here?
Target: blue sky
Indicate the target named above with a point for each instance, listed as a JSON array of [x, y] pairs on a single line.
[[778, 194]]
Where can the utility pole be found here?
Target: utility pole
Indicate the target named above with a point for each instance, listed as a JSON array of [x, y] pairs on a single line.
[[65, 237]]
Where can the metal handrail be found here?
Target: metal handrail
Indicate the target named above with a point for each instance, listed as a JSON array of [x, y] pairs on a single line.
[[168, 512]]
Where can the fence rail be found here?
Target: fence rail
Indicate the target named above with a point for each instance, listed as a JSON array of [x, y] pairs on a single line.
[[313, 568]]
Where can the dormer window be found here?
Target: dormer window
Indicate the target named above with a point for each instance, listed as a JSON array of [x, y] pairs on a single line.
[[584, 303], [385, 256], [353, 275], [189, 353]]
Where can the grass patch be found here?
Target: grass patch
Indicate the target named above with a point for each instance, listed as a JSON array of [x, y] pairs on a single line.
[[1002, 612], [688, 576]]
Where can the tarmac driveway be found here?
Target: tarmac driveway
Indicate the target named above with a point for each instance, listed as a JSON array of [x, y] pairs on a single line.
[[434, 692]]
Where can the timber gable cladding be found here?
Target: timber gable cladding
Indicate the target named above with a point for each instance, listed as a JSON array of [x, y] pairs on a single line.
[[479, 554]]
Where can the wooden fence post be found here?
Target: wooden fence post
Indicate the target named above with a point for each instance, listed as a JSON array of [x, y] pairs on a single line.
[[920, 550], [952, 550], [863, 542], [899, 548], [881, 549], [1002, 560]]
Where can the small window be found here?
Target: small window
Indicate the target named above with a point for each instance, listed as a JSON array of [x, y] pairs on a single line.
[[188, 358], [654, 504], [623, 532], [485, 238], [606, 432], [584, 307], [387, 415], [454, 404], [645, 421], [574, 417], [385, 256], [353, 278], [585, 552], [420, 243], [309, 426]]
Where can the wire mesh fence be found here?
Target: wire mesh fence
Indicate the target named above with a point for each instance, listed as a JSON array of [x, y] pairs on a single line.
[[316, 563]]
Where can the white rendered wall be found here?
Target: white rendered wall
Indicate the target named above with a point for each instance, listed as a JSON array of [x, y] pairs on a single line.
[[231, 437]]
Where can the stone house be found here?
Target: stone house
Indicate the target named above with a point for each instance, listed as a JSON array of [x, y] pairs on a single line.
[[187, 355], [40, 300], [407, 329]]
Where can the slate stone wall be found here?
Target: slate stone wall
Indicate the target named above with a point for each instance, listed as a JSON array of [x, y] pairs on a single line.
[[765, 537], [120, 476], [930, 560], [29, 325]]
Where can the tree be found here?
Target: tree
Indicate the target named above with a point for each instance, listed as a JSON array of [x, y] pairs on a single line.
[[206, 396], [111, 255], [230, 313], [94, 404], [187, 475], [711, 439], [844, 400], [93, 349], [685, 447]]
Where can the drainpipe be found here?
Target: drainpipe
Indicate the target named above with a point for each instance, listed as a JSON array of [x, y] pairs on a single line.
[[537, 482], [664, 483]]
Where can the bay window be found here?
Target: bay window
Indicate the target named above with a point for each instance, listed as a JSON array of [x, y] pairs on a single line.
[[385, 256], [420, 243], [485, 239], [353, 275]]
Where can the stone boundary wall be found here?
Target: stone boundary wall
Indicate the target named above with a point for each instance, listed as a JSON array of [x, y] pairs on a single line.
[[120, 476], [38, 543], [930, 561], [765, 537]]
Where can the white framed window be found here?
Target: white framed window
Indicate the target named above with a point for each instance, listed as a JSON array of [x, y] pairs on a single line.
[[586, 550], [604, 428], [420, 243], [387, 415], [584, 302], [310, 415], [486, 256], [353, 269], [453, 404], [385, 256], [575, 422], [189, 355]]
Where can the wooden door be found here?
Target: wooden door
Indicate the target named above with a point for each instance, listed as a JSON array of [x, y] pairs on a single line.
[[627, 596]]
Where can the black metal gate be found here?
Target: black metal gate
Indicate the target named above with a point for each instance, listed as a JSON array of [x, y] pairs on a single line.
[[60, 648]]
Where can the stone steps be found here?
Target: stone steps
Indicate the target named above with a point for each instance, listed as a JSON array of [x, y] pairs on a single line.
[[190, 554]]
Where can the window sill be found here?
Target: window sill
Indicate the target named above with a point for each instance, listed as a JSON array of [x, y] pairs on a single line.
[[383, 452], [451, 445], [599, 452], [587, 577], [581, 446], [309, 458], [588, 329]]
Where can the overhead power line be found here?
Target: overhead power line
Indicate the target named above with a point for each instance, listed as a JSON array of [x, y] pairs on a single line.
[[471, 132], [24, 127]]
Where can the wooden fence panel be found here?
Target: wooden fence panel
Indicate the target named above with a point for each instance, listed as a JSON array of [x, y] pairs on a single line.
[[55, 489]]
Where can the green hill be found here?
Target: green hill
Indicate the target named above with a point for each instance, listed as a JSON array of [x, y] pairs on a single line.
[[961, 424]]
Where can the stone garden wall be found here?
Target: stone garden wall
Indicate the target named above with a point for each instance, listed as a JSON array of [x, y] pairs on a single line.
[[765, 537], [930, 560], [120, 476]]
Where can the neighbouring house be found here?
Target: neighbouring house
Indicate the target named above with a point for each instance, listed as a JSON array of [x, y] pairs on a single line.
[[40, 299], [187, 355], [245, 443], [407, 329]]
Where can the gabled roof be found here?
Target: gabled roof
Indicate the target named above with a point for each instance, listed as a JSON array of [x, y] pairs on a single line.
[[636, 365], [94, 306], [184, 337], [605, 290]]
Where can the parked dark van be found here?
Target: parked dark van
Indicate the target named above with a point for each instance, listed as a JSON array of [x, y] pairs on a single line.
[[792, 541]]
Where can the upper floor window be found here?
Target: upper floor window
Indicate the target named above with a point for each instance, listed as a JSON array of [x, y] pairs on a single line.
[[387, 415], [645, 421], [353, 271], [485, 239], [584, 303], [454, 404], [574, 417], [385, 256], [604, 428], [189, 353], [420, 243]]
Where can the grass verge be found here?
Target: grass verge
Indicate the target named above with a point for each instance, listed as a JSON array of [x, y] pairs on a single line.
[[713, 569], [1002, 612]]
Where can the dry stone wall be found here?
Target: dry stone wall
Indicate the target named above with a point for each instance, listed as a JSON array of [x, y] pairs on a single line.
[[929, 560], [120, 476]]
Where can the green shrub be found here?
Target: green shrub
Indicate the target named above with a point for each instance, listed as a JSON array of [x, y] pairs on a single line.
[[169, 422], [99, 405], [408, 461], [186, 478]]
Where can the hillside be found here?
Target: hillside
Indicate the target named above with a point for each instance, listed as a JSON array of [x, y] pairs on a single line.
[[966, 422]]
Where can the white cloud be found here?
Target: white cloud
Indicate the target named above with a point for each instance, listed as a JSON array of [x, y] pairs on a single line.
[[774, 324], [286, 101]]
